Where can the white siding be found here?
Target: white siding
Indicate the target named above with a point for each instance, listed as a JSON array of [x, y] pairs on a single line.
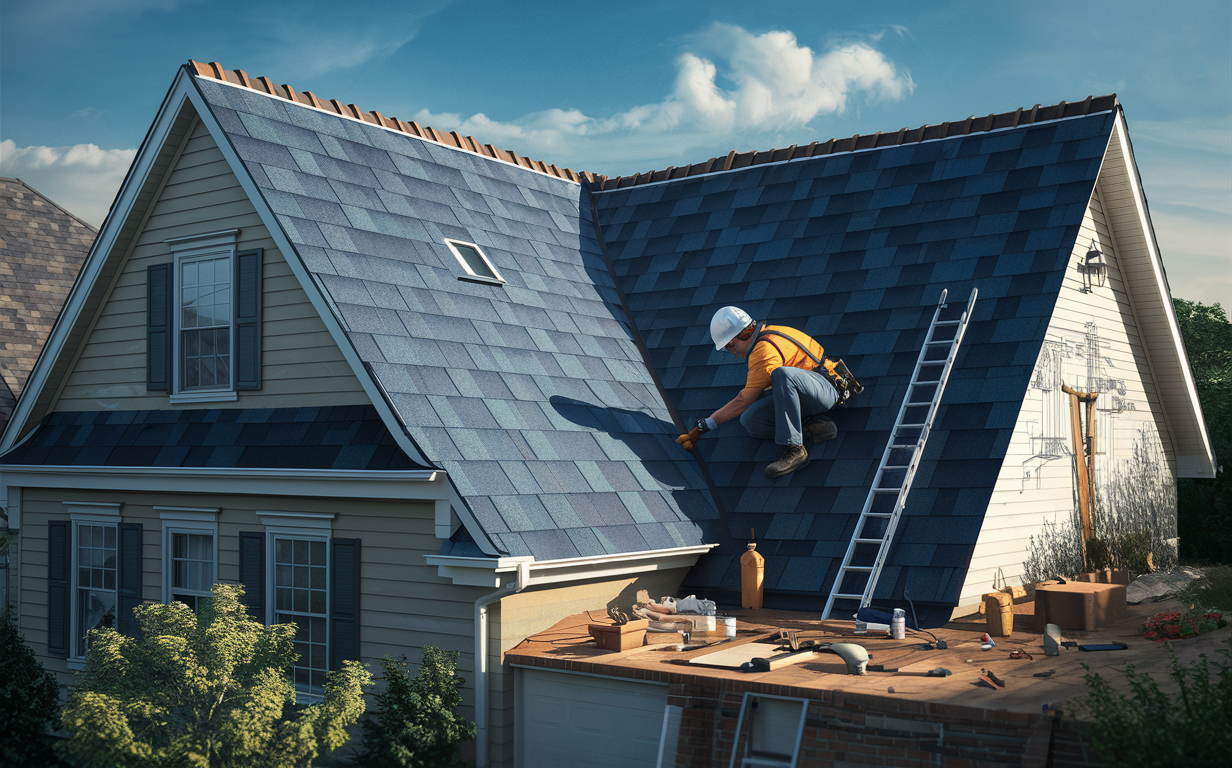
[[1092, 343], [301, 363]]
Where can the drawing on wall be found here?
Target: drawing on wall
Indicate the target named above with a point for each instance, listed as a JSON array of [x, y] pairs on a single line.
[[1083, 365]]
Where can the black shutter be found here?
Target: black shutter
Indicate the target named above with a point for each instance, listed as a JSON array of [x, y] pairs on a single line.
[[252, 573], [344, 598], [158, 315], [129, 587], [248, 319], [59, 553]]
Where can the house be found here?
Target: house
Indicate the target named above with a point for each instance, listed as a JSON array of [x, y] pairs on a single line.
[[410, 389], [42, 247]]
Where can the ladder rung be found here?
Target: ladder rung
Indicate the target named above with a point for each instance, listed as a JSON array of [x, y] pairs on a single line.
[[932, 362], [839, 596], [896, 466], [919, 405], [869, 541], [860, 568], [910, 426], [880, 514], [904, 447], [947, 322]]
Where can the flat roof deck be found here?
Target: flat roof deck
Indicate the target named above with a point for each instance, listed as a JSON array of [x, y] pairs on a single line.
[[567, 646]]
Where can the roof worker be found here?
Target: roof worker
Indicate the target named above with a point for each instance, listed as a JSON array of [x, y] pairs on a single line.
[[803, 386]]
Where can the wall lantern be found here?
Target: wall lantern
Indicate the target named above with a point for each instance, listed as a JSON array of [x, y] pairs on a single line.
[[1094, 269]]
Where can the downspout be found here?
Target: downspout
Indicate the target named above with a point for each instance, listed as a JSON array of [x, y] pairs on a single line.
[[481, 659]]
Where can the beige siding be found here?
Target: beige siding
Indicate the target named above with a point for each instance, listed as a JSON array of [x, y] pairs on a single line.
[[301, 363], [1092, 343], [404, 604]]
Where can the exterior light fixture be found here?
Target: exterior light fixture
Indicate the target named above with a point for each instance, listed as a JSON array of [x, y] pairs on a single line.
[[1094, 269]]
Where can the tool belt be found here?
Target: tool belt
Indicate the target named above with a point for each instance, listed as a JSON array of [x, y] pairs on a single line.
[[835, 370]]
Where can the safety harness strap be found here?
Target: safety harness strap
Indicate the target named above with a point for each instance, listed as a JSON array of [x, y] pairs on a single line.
[[836, 371]]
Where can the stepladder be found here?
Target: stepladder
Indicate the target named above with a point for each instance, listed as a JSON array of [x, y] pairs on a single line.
[[871, 540]]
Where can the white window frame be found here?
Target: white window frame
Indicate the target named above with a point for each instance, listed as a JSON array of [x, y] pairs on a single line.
[[209, 245], [190, 520], [309, 526], [470, 275], [88, 513]]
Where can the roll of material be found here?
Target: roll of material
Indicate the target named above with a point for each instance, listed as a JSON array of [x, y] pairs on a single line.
[[999, 614]]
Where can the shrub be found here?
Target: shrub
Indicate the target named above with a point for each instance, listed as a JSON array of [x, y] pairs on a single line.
[[1212, 589], [1177, 625], [1133, 552], [203, 690], [417, 725], [1098, 555], [1149, 728], [29, 702]]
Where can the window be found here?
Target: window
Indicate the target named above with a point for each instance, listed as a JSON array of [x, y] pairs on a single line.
[[96, 567], [478, 267], [190, 559], [204, 341], [203, 316], [301, 596]]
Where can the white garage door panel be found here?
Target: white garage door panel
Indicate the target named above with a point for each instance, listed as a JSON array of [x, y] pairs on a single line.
[[575, 720]]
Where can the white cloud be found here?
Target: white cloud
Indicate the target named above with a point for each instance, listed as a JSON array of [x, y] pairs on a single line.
[[732, 82], [83, 179]]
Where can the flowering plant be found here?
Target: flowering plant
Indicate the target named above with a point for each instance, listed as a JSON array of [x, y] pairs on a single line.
[[1175, 625]]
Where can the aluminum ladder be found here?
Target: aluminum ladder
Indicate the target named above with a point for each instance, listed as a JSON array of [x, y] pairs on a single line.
[[870, 543]]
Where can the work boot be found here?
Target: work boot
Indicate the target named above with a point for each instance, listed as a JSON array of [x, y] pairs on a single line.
[[793, 458], [821, 428]]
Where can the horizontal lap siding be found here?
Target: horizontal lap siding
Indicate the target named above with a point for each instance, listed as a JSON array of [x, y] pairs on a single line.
[[301, 363], [1020, 505]]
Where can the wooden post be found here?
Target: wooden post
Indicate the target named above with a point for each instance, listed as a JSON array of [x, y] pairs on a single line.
[[1084, 457], [752, 571]]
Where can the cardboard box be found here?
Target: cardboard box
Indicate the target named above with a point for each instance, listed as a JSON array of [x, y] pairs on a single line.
[[1079, 605]]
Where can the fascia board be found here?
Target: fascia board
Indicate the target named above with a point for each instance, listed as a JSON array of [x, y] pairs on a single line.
[[1165, 298], [400, 485], [100, 251], [323, 309], [485, 572]]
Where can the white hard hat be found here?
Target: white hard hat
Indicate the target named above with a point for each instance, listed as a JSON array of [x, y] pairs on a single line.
[[726, 324]]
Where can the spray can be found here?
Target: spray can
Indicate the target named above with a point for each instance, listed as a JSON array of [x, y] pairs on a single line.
[[898, 624]]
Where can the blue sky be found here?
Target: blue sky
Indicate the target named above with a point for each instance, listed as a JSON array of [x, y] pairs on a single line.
[[633, 86]]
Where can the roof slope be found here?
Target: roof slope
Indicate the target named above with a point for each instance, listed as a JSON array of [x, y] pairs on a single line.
[[42, 248], [532, 395], [855, 249]]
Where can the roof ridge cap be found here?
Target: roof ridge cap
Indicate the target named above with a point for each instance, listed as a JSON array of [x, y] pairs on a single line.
[[57, 206], [238, 77], [972, 124]]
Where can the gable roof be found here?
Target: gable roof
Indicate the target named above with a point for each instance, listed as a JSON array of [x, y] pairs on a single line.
[[42, 247], [552, 401], [855, 249]]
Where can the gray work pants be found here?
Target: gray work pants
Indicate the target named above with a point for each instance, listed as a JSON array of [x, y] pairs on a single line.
[[797, 394]]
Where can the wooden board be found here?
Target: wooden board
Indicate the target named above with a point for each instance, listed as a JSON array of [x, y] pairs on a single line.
[[732, 658]]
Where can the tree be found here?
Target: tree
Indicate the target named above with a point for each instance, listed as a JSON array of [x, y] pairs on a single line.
[[1204, 507], [29, 701], [418, 725], [203, 690]]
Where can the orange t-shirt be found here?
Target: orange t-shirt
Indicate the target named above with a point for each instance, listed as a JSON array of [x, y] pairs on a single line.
[[770, 352]]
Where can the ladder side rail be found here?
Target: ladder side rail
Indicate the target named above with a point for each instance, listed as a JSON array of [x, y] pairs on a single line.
[[891, 527], [885, 456]]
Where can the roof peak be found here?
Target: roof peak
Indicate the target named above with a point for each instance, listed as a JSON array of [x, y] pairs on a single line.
[[735, 160], [452, 139]]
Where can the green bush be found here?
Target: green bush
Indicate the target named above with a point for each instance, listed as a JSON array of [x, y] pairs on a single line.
[[417, 725], [29, 702], [1150, 728], [1213, 589], [1098, 554], [210, 689], [1133, 552]]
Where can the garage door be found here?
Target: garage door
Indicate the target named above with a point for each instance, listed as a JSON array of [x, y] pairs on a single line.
[[568, 719]]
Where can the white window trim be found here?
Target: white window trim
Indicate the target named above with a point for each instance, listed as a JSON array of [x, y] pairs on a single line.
[[186, 520], [316, 526], [470, 275], [90, 513], [189, 248]]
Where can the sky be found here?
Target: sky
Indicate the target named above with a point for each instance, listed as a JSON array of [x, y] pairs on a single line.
[[618, 88]]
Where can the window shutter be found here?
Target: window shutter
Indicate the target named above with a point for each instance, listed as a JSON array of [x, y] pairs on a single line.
[[252, 573], [158, 315], [344, 598], [59, 550], [248, 319], [129, 587]]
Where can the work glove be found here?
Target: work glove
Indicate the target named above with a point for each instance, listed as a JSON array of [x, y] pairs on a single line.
[[687, 440]]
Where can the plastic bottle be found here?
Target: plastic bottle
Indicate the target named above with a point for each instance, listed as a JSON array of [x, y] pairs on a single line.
[[898, 624]]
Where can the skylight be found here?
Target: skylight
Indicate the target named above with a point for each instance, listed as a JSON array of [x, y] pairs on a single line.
[[478, 267]]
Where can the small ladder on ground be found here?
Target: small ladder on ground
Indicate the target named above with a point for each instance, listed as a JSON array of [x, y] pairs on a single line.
[[870, 544]]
